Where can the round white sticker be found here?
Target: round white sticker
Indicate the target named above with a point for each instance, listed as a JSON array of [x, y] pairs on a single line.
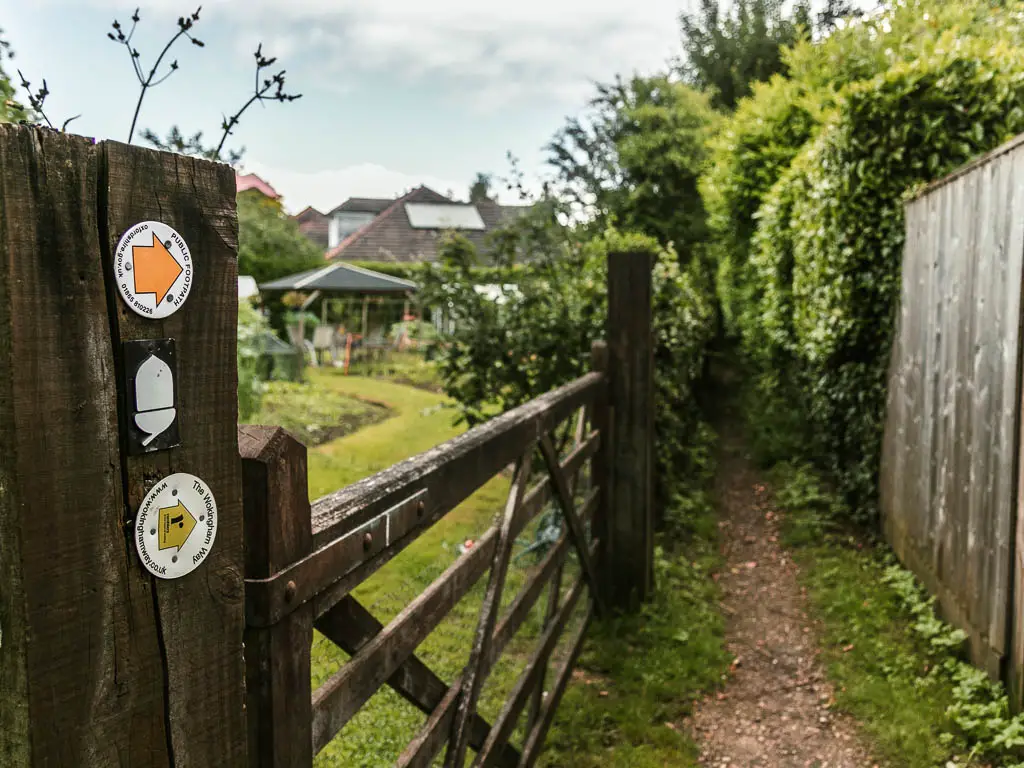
[[176, 526], [153, 268]]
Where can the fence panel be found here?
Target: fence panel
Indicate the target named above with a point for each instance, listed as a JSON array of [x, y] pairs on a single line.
[[950, 453]]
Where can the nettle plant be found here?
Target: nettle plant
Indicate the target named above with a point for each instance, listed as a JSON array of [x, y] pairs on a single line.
[[268, 86]]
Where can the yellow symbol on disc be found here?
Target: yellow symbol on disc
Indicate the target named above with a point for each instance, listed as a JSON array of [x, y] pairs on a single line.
[[176, 523]]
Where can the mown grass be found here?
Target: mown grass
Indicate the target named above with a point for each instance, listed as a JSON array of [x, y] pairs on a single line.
[[640, 675], [879, 664], [401, 368]]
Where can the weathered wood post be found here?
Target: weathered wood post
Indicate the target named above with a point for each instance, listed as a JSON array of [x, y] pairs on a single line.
[[629, 567], [104, 661], [278, 533]]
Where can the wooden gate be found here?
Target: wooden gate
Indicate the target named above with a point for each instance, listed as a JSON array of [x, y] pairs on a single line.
[[108, 660], [323, 556]]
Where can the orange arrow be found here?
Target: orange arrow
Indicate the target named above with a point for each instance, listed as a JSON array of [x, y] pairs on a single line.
[[155, 269]]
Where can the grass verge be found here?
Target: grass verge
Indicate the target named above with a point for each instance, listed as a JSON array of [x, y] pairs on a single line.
[[897, 668], [639, 675]]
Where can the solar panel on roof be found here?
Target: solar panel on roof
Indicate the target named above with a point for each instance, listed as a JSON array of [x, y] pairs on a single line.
[[444, 216]]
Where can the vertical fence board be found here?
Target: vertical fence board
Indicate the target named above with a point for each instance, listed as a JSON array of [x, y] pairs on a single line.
[[952, 419], [80, 674], [200, 615]]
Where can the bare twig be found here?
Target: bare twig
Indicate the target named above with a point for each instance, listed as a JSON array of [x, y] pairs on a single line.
[[270, 89], [37, 101], [185, 25]]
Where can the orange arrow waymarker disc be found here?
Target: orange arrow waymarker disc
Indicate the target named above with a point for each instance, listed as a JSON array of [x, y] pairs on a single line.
[[155, 269]]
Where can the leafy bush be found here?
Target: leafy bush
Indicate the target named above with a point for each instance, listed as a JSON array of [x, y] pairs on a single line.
[[270, 244], [538, 337], [749, 155], [836, 221], [251, 327]]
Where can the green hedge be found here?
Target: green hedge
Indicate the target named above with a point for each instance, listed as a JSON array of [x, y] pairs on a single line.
[[836, 221], [755, 148]]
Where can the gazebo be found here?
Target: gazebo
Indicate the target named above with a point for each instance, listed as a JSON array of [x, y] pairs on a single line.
[[343, 280]]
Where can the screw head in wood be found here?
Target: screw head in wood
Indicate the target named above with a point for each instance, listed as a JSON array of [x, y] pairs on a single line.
[[289, 591], [367, 541]]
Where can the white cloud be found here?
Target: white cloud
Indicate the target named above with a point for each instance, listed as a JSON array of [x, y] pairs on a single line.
[[487, 53], [327, 189]]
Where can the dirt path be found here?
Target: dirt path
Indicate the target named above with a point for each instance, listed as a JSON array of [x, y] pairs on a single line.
[[774, 709]]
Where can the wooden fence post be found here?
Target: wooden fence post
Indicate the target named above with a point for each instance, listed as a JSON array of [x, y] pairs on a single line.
[[278, 532], [103, 663], [629, 567]]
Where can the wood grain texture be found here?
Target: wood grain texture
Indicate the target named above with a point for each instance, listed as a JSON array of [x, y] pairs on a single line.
[[328, 593], [80, 674], [278, 531], [629, 570], [529, 678], [200, 615], [535, 740], [950, 472], [454, 469]]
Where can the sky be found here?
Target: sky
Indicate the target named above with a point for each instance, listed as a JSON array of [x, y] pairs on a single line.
[[395, 93]]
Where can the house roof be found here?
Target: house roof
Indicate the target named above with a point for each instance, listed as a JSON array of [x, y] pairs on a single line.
[[365, 204], [341, 278], [391, 237], [309, 213], [314, 225], [248, 181]]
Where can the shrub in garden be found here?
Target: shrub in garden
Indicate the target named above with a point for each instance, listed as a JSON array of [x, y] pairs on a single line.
[[538, 337], [837, 221], [251, 327]]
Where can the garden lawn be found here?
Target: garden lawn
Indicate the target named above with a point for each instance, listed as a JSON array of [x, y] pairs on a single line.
[[419, 420]]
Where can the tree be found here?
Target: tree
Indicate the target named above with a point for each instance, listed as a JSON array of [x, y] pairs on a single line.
[[634, 160], [480, 189], [268, 86], [724, 53], [270, 244]]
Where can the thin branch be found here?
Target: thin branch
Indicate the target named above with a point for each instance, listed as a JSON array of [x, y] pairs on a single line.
[[38, 99], [271, 89], [185, 24]]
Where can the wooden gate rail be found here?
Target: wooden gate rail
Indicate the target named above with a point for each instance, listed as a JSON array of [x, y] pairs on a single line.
[[325, 552]]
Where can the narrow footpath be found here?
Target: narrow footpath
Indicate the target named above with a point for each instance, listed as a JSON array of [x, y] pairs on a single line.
[[774, 710]]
